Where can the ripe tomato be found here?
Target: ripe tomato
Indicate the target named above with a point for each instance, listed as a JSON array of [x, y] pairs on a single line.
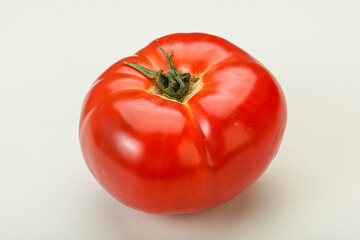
[[193, 147]]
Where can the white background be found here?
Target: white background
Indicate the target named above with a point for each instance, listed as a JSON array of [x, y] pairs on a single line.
[[51, 52]]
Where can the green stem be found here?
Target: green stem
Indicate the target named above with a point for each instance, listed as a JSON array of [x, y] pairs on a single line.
[[173, 83]]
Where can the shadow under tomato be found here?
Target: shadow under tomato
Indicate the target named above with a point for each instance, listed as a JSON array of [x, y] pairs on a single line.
[[254, 204]]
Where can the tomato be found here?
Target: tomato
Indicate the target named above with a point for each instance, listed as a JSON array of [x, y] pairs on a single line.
[[163, 153]]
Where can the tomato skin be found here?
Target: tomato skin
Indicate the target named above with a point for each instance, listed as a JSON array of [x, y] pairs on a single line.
[[165, 157]]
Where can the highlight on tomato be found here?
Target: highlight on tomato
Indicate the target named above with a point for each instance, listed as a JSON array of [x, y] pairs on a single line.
[[185, 124]]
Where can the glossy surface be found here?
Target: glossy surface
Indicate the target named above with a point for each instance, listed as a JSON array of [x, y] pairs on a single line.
[[161, 156]]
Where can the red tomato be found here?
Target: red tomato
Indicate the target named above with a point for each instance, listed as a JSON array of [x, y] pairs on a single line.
[[162, 156]]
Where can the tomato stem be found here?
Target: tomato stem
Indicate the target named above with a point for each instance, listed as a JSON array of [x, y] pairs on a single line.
[[173, 83]]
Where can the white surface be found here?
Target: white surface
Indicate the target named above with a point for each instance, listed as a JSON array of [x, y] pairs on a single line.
[[51, 52]]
